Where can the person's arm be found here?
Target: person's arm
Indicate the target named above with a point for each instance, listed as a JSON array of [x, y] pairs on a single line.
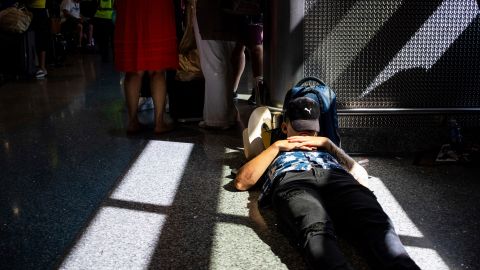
[[249, 174], [64, 9], [67, 13], [355, 169]]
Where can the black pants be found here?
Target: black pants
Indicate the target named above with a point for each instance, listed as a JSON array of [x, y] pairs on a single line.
[[41, 28], [104, 36], [316, 204]]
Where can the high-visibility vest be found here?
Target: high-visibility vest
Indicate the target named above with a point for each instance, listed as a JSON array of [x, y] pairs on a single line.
[[37, 4], [105, 10]]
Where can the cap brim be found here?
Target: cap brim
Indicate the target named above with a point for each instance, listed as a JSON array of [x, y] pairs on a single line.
[[304, 125]]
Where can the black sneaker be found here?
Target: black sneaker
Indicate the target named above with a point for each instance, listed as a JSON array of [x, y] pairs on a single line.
[[251, 99]]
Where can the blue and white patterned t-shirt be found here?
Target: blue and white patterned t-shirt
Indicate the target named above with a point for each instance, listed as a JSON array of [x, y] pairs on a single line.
[[296, 161]]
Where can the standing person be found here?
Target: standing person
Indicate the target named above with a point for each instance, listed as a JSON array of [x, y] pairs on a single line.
[[74, 22], [103, 21], [145, 41], [251, 38], [216, 33], [41, 29], [317, 190]]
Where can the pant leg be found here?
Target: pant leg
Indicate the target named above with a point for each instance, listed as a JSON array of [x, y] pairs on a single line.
[[103, 36], [300, 210], [357, 214], [219, 109]]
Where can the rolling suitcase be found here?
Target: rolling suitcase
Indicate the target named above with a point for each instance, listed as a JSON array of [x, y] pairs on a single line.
[[58, 50], [27, 55], [17, 52]]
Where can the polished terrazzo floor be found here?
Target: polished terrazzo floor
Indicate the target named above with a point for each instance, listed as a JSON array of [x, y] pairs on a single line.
[[77, 193]]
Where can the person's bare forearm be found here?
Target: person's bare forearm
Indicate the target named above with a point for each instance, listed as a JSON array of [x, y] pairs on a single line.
[[249, 174], [345, 160], [355, 169]]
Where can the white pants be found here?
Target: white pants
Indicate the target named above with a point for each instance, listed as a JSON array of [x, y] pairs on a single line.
[[219, 108]]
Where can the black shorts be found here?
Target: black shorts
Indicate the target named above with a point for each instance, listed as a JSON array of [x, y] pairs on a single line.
[[252, 31]]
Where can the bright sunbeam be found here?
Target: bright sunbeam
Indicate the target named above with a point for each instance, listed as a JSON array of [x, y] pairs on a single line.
[[403, 224], [155, 176], [119, 238], [426, 258], [431, 41], [343, 45]]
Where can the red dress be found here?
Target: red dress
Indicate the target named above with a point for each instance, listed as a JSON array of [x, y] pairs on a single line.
[[145, 35]]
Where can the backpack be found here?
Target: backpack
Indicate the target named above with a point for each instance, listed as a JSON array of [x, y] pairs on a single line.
[[264, 127], [317, 90]]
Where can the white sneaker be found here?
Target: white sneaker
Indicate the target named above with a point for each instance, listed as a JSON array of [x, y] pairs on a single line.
[[40, 74], [145, 104]]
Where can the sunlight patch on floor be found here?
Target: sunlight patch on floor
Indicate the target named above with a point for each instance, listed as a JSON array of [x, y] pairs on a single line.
[[403, 224], [117, 239], [156, 174], [426, 258], [238, 247]]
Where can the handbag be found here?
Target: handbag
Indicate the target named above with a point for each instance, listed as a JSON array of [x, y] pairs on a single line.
[[15, 19], [188, 58]]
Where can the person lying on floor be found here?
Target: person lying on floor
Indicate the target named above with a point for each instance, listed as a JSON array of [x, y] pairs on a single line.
[[317, 190]]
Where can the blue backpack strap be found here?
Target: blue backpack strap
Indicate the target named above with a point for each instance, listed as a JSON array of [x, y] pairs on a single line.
[[309, 79]]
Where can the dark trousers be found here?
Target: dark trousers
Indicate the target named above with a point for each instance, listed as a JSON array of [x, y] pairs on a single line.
[[103, 33], [41, 28], [315, 205]]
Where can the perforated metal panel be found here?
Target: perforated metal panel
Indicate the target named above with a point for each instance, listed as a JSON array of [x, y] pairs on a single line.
[[395, 54], [407, 121]]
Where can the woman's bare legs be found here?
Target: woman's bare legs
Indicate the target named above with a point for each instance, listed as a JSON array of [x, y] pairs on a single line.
[[80, 34], [257, 60], [238, 63], [132, 83], [158, 85]]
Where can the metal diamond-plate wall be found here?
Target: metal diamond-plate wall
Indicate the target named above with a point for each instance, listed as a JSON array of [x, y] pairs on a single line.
[[395, 54]]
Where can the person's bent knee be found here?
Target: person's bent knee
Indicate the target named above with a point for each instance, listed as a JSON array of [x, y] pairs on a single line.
[[134, 74], [155, 73], [322, 252], [257, 50]]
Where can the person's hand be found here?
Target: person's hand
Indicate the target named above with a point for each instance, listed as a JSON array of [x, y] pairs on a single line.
[[312, 142], [287, 145]]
